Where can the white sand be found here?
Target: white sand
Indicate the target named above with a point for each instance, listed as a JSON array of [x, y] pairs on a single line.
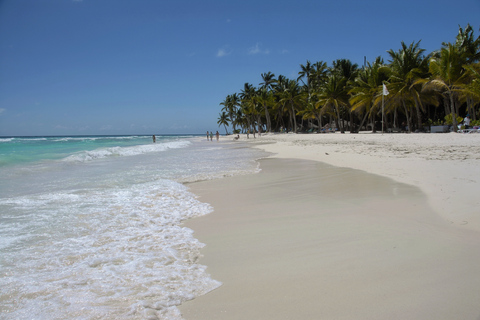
[[305, 240], [445, 166]]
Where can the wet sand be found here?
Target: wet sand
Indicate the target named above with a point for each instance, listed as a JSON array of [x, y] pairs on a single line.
[[306, 240]]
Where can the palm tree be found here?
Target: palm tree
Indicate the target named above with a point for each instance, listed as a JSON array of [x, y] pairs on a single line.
[[451, 73], [278, 107], [268, 81], [472, 89], [470, 48], [467, 44], [332, 97], [320, 74], [348, 70], [230, 106], [264, 100], [291, 97], [448, 73], [408, 66], [248, 105], [311, 112], [239, 120], [223, 119], [365, 90], [305, 72], [315, 75]]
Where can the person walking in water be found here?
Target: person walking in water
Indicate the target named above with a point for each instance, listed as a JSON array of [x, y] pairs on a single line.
[[154, 139], [211, 135], [207, 135], [217, 135]]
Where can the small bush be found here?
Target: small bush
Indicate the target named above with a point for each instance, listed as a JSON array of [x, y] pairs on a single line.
[[448, 119]]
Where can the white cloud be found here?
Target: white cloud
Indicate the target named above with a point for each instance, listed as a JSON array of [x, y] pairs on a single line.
[[256, 50], [222, 52]]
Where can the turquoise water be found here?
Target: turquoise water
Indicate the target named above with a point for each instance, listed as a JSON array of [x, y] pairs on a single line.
[[19, 150], [91, 227]]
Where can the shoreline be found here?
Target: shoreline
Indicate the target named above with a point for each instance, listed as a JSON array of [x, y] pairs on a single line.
[[365, 247], [445, 166]]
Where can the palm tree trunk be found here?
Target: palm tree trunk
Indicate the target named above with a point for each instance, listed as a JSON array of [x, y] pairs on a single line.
[[395, 120], [294, 118], [338, 120], [419, 115], [259, 124], [232, 118], [454, 115], [319, 121], [363, 121], [352, 127], [470, 108], [409, 124], [446, 105], [267, 116]]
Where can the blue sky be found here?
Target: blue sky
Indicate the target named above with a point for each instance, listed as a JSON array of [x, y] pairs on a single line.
[[78, 67]]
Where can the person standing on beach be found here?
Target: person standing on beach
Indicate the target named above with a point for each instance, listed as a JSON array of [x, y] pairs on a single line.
[[217, 135], [466, 121], [207, 135], [211, 135], [154, 139]]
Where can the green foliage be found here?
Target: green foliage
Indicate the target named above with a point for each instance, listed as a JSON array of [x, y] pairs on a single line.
[[449, 121], [346, 94]]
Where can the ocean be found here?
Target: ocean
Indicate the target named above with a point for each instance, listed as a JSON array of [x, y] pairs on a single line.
[[91, 227]]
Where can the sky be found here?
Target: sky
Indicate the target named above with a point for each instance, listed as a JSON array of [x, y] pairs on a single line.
[[102, 67]]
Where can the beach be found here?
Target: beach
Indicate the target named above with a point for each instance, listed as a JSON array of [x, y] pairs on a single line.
[[91, 226], [342, 226]]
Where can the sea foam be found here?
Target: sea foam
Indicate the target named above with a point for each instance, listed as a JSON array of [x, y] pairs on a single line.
[[101, 153], [97, 233], [124, 249]]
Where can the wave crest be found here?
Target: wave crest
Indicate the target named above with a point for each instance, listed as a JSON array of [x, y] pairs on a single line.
[[91, 155]]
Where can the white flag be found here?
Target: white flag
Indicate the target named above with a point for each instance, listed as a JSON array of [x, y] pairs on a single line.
[[385, 91]]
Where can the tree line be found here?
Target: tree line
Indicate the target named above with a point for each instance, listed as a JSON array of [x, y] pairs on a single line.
[[423, 90]]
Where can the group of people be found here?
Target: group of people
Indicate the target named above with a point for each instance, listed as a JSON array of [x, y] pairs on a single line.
[[210, 135]]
